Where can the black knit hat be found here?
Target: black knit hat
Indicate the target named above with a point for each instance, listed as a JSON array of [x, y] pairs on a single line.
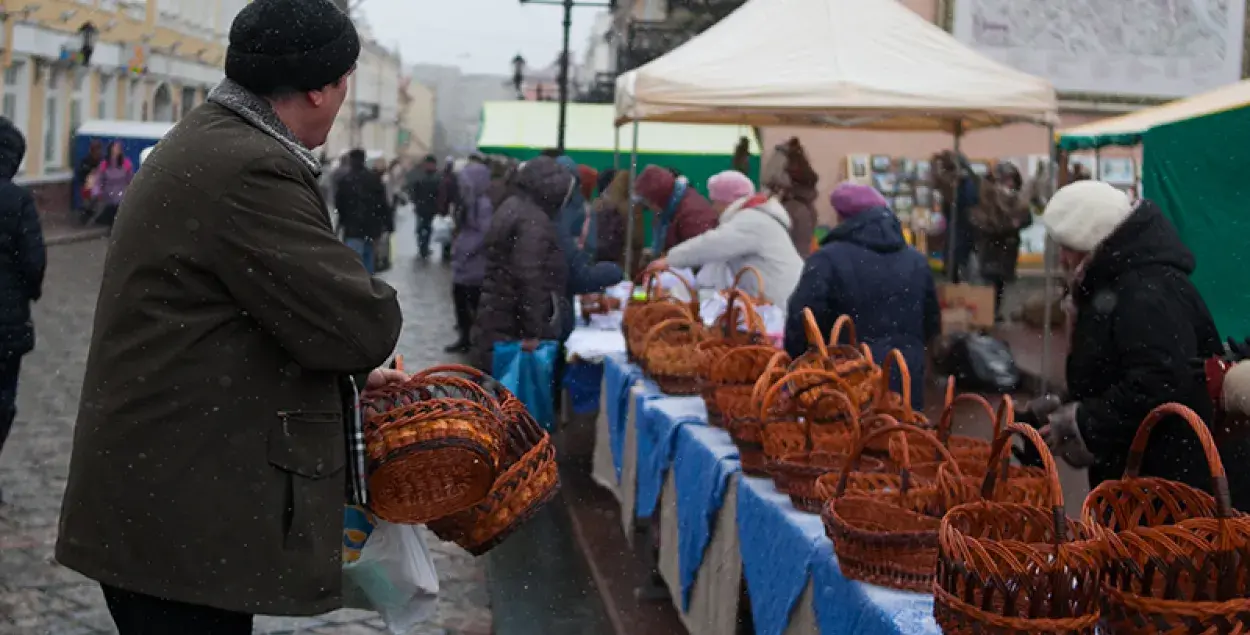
[[298, 44]]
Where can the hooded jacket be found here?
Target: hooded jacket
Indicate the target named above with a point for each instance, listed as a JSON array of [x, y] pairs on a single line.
[[1138, 319], [799, 202], [610, 211], [21, 249], [527, 273], [754, 232], [866, 270], [694, 214], [468, 260]]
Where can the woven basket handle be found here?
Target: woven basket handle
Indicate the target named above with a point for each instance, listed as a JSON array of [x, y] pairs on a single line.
[[893, 426], [1219, 478], [755, 323], [825, 376], [1001, 443], [895, 360], [759, 281], [815, 339], [843, 323], [948, 415], [773, 371], [673, 324], [867, 352], [847, 407]]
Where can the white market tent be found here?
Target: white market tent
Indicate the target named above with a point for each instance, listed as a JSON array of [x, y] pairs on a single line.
[[867, 64]]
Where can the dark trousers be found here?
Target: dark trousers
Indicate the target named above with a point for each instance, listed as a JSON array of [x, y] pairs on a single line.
[[137, 614], [465, 297], [424, 223], [9, 370]]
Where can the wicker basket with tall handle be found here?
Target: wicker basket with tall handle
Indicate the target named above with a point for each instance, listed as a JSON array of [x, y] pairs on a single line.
[[433, 445], [654, 307], [1177, 558], [853, 362], [746, 429], [668, 355], [733, 379], [1007, 567], [897, 405], [882, 525]]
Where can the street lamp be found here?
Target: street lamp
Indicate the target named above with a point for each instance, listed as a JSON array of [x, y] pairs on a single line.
[[518, 75], [564, 54]]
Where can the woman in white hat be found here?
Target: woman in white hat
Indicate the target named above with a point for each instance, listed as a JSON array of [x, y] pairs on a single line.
[[1138, 321]]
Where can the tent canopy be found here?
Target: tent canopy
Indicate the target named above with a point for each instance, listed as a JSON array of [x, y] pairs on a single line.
[[870, 64], [1128, 130], [533, 124]]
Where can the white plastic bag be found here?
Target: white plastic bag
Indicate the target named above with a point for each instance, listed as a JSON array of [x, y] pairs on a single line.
[[394, 576], [441, 229]]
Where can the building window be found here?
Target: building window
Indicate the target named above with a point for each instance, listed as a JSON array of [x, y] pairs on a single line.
[[15, 87], [107, 106], [189, 94], [134, 101], [52, 151], [77, 99]]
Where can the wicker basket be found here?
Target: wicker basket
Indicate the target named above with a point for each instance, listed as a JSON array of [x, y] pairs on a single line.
[[747, 430], [668, 356], [853, 362], [434, 445], [820, 447], [883, 530], [737, 377], [897, 405], [808, 410], [1006, 568], [529, 475], [1177, 559], [654, 307], [730, 384], [846, 361]]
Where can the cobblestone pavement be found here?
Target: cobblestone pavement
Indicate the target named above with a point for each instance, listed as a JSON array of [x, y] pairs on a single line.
[[39, 598]]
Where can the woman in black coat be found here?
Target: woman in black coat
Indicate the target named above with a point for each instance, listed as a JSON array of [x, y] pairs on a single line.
[[1139, 320]]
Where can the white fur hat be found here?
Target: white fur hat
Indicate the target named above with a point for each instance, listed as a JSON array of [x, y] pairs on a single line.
[[1081, 215], [1236, 392]]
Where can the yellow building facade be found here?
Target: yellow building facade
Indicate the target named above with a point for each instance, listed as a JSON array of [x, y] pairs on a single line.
[[153, 60]]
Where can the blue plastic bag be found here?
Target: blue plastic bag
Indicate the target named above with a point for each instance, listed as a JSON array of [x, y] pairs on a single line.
[[529, 376]]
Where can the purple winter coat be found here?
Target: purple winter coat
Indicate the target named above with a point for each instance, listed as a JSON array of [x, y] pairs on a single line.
[[468, 258]]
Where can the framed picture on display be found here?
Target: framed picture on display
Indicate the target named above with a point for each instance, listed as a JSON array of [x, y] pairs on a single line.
[[979, 168], [881, 163], [922, 196], [903, 205], [857, 169], [908, 167], [923, 170], [885, 183], [1086, 161], [1117, 170]]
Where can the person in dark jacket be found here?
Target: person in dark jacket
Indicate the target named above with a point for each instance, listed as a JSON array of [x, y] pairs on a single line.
[[1138, 320], [865, 269], [468, 264], [1001, 212], [83, 177], [423, 187], [21, 272], [575, 218], [960, 188], [364, 211], [681, 212], [526, 269]]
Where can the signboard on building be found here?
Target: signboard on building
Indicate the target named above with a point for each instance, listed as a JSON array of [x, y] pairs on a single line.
[[1126, 48]]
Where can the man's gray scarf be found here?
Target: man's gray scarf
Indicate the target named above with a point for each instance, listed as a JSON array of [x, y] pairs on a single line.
[[258, 112]]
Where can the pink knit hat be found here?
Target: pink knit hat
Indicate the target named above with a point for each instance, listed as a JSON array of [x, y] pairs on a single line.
[[849, 199], [729, 186]]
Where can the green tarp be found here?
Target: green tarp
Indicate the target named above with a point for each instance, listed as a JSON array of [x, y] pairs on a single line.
[[1195, 171]]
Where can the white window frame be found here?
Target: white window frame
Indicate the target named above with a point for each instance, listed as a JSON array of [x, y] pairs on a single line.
[[106, 97], [19, 90], [53, 149]]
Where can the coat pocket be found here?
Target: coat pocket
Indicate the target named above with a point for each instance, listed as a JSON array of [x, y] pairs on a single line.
[[310, 449]]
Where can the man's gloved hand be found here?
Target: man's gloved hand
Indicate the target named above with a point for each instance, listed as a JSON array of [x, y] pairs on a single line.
[[1063, 436]]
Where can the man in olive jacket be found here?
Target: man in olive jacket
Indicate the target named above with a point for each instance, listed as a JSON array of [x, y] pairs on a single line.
[[209, 468]]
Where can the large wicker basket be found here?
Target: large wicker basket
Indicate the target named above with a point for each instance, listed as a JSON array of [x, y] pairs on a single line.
[[897, 405], [1177, 559], [734, 379], [529, 475], [653, 307], [434, 446], [1005, 568], [883, 528], [746, 429], [669, 355]]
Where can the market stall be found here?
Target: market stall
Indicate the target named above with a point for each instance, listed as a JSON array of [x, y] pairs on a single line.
[[1198, 184]]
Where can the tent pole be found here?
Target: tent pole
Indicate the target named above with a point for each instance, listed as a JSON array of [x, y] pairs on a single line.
[[1097, 164], [1048, 269], [629, 224], [616, 148], [952, 223]]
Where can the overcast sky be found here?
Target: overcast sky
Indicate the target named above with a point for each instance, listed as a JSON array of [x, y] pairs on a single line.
[[479, 36]]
